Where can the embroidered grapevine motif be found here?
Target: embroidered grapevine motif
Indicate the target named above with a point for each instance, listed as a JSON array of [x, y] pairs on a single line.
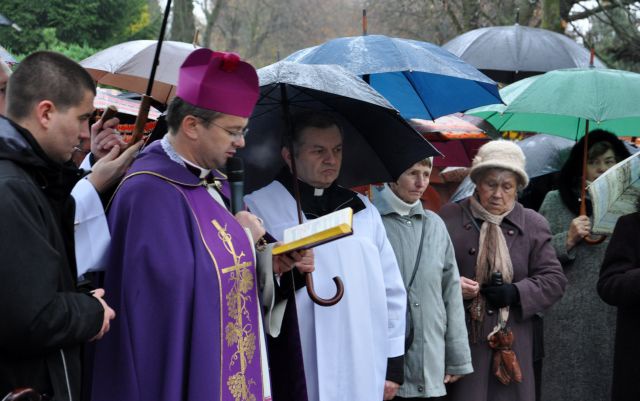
[[239, 332]]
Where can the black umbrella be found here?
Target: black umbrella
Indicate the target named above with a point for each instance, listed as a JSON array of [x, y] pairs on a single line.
[[510, 53], [378, 144]]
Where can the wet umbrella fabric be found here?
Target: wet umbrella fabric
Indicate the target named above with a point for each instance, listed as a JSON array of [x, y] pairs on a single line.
[[379, 144], [128, 65], [6, 56], [510, 53], [560, 102], [420, 79]]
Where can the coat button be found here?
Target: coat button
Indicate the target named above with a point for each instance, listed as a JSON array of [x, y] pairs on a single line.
[[467, 226], [511, 232], [490, 312], [420, 388], [408, 222], [416, 304], [472, 251]]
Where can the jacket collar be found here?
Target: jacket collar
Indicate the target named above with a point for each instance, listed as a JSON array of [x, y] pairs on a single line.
[[384, 206], [515, 218]]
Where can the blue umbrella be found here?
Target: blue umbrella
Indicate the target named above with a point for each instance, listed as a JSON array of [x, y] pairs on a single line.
[[419, 79]]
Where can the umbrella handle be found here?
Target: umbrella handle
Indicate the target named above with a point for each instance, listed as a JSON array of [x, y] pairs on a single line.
[[321, 301], [594, 240], [141, 120], [23, 394]]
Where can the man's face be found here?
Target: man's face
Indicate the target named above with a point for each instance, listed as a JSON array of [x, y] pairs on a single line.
[[4, 78], [219, 141], [412, 183], [67, 128], [318, 156]]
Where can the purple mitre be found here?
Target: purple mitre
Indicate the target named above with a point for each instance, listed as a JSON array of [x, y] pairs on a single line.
[[218, 81]]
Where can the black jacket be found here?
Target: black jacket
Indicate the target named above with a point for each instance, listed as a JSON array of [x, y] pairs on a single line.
[[44, 319], [619, 285]]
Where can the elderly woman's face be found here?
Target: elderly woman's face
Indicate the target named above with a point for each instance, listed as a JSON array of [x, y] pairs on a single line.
[[497, 190]]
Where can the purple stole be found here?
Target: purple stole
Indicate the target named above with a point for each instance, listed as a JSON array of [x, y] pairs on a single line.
[[232, 257]]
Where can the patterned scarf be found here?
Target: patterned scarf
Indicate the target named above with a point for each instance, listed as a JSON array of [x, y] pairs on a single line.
[[493, 256]]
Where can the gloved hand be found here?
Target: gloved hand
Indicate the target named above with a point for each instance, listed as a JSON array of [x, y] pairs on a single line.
[[499, 296]]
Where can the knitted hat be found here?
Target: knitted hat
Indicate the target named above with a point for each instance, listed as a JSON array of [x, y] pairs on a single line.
[[218, 81], [500, 154]]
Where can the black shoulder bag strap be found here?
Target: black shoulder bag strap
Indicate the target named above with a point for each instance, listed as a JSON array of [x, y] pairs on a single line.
[[408, 335], [415, 268]]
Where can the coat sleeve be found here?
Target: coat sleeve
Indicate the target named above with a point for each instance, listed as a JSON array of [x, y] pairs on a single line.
[[546, 281], [394, 286], [37, 315], [91, 231], [620, 274], [457, 353], [559, 230]]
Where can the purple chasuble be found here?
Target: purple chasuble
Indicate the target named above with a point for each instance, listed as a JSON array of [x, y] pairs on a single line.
[[182, 281]]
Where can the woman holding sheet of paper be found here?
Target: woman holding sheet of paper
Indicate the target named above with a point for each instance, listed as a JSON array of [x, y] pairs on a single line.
[[580, 319]]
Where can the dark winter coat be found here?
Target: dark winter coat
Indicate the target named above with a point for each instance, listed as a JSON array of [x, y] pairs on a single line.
[[44, 320], [619, 285], [540, 281]]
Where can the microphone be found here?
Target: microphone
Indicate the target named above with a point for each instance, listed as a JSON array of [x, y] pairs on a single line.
[[235, 176]]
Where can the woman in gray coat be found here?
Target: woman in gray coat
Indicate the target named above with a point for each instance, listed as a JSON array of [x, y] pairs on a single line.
[[439, 352], [581, 319], [491, 233]]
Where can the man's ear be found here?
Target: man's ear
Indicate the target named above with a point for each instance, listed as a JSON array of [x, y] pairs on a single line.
[[44, 111], [286, 155], [189, 127]]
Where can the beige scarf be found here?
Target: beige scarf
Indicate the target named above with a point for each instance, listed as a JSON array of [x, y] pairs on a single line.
[[493, 256]]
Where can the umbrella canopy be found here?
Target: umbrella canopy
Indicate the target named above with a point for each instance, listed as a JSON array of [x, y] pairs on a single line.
[[106, 97], [561, 102], [615, 193], [128, 65], [510, 53], [420, 79], [6, 56], [457, 139], [379, 144]]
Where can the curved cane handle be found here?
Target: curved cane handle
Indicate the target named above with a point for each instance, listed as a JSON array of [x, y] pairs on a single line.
[[321, 301], [594, 240], [23, 394]]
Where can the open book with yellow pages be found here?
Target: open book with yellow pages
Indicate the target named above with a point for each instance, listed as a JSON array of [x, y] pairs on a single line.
[[317, 231]]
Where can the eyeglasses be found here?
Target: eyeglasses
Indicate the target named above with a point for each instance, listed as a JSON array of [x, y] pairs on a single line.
[[234, 134]]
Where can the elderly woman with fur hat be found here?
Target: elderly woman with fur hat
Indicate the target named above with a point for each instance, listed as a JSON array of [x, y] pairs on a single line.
[[508, 271]]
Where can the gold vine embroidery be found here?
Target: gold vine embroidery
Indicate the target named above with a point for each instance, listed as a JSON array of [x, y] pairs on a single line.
[[239, 332]]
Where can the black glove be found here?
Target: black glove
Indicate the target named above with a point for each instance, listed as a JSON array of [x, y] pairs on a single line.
[[499, 296]]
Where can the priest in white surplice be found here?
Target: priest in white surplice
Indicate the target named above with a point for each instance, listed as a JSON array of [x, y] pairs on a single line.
[[352, 351]]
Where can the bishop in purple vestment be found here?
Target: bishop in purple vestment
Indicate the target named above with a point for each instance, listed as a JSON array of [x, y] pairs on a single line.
[[181, 269]]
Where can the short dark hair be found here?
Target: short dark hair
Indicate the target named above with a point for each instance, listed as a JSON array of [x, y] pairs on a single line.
[[179, 108], [306, 119], [46, 75]]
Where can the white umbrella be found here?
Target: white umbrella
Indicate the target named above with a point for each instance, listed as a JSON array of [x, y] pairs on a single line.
[[128, 65]]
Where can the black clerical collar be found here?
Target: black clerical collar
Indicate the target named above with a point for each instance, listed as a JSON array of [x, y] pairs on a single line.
[[317, 202]]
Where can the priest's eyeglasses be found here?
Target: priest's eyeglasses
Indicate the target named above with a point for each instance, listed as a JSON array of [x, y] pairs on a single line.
[[235, 134]]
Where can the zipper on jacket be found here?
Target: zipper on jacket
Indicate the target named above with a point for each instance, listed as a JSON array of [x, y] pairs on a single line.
[[66, 374]]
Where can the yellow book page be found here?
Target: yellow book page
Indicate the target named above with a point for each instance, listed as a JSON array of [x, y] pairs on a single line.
[[316, 232]]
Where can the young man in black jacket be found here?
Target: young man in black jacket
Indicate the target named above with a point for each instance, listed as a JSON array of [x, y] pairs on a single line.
[[45, 320]]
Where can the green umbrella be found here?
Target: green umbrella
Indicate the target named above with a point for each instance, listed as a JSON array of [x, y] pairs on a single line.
[[560, 102], [569, 103]]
